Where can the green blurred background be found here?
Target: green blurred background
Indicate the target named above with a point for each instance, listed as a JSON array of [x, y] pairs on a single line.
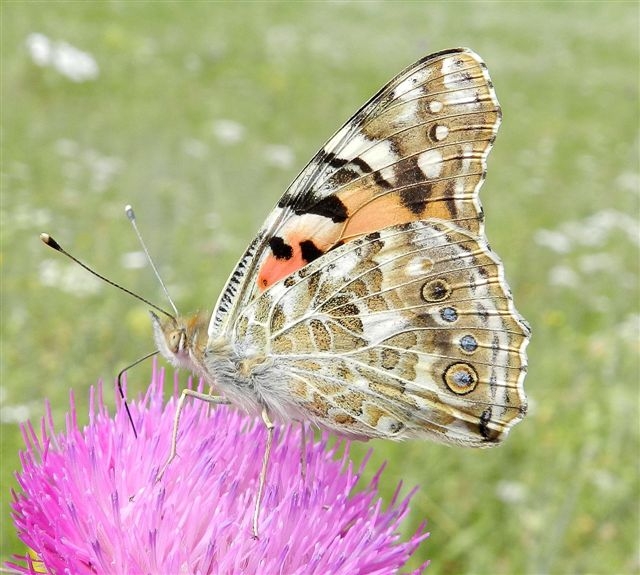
[[202, 113]]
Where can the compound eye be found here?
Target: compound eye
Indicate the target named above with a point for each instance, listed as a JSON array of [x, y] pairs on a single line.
[[175, 340]]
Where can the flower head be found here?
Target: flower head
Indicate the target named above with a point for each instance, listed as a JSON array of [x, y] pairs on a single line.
[[90, 502]]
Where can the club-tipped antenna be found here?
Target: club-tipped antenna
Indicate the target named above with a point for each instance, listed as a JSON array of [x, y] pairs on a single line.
[[49, 241], [132, 218]]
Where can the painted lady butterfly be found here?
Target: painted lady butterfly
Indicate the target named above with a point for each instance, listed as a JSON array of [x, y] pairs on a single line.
[[370, 303]]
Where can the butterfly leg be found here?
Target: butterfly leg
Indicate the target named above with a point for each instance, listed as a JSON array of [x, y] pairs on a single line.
[[176, 422], [263, 472]]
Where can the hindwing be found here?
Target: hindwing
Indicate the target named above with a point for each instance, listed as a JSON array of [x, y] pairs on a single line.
[[406, 332]]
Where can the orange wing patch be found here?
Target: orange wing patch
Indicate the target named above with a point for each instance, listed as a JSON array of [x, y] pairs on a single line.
[[391, 209], [304, 238], [301, 240]]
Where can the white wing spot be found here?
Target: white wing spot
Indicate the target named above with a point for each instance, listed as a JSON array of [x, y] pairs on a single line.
[[467, 157], [345, 265], [419, 266], [467, 97], [379, 156], [410, 83], [355, 147], [449, 68], [406, 113], [441, 132], [388, 173], [453, 77], [435, 106], [430, 163]]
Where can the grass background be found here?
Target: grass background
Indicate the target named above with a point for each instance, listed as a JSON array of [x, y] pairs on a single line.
[[561, 198]]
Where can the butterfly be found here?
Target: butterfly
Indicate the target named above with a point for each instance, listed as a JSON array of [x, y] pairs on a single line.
[[370, 303]]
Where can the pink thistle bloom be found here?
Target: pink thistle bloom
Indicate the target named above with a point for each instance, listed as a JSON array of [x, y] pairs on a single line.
[[90, 502]]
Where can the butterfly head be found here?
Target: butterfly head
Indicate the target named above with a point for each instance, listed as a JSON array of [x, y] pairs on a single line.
[[182, 340]]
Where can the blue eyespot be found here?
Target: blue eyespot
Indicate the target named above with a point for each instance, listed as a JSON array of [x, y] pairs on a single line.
[[449, 314], [468, 343]]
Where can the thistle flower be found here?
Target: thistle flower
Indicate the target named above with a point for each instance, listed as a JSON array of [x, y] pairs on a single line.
[[90, 502]]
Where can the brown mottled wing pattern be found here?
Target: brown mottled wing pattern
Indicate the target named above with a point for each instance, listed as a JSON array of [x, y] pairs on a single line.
[[406, 332], [416, 150]]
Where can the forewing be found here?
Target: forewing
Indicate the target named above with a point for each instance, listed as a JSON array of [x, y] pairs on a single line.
[[416, 150], [406, 332]]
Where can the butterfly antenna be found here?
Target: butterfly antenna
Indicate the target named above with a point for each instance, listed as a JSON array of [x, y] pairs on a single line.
[[121, 388], [132, 218], [48, 240]]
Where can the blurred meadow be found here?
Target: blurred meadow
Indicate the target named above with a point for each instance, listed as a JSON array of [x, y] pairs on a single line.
[[200, 114]]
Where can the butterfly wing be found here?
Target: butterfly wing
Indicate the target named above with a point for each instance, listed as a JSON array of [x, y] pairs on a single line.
[[416, 150], [406, 332]]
